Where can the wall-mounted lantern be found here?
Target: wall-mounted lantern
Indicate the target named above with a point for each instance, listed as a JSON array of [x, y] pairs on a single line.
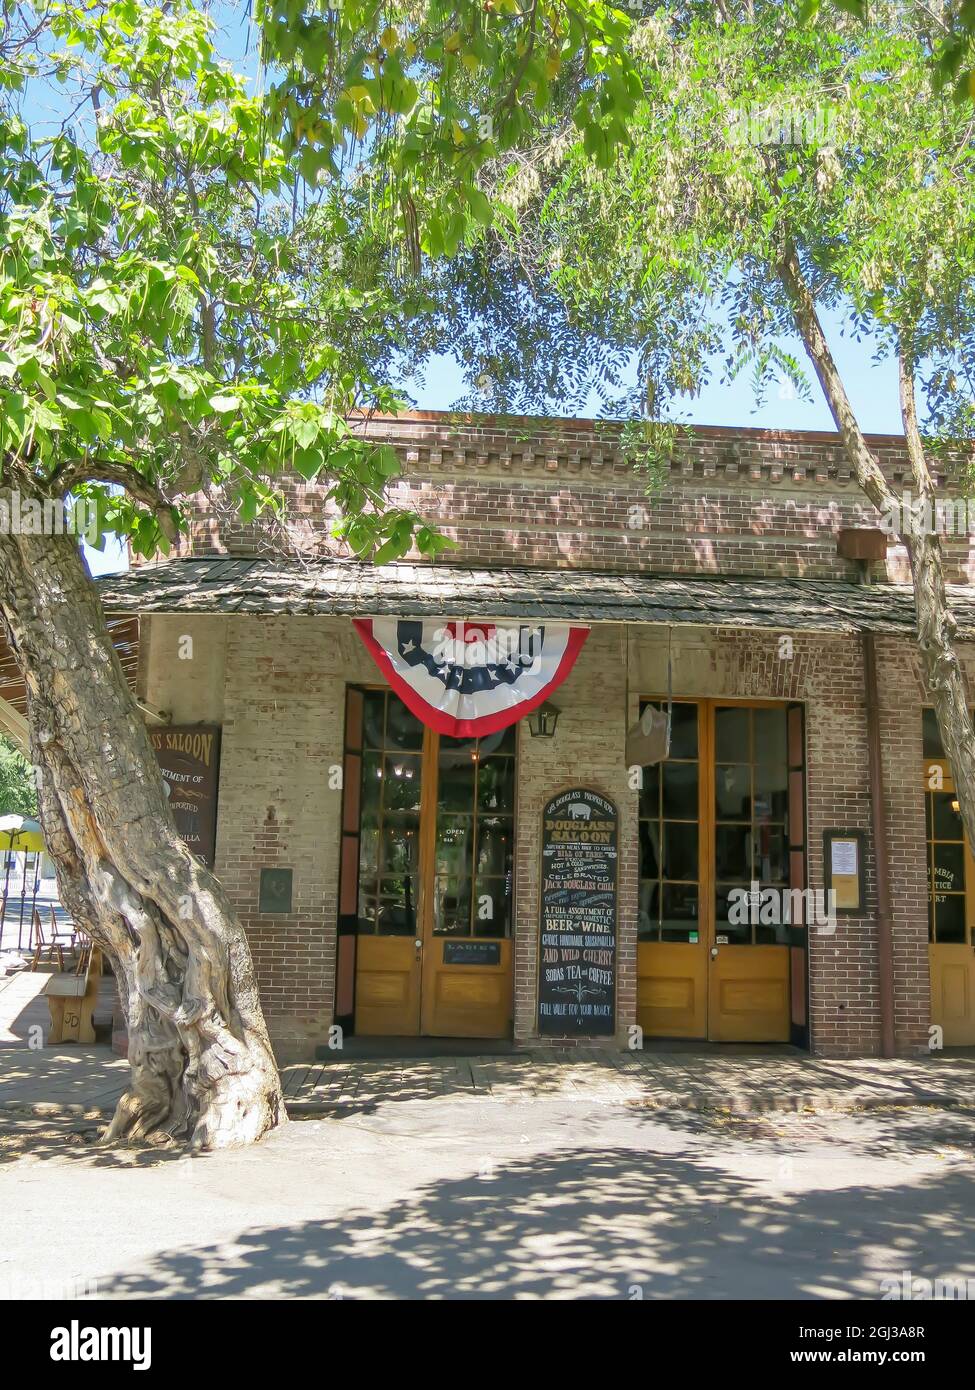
[[542, 721]]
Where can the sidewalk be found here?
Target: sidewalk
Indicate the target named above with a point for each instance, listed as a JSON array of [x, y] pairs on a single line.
[[77, 1080]]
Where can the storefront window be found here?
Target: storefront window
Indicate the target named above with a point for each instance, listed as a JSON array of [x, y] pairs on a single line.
[[669, 828], [475, 836], [751, 801], [390, 825], [946, 868]]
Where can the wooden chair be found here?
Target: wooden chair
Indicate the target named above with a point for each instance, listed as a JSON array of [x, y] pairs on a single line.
[[66, 933], [51, 948]]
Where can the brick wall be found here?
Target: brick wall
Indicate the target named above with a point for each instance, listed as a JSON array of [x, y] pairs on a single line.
[[558, 493], [278, 687]]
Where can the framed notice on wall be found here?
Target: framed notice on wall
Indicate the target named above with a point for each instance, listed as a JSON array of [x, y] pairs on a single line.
[[845, 874], [577, 945], [189, 759]]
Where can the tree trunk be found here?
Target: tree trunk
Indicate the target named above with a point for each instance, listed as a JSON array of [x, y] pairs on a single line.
[[935, 623], [202, 1065]]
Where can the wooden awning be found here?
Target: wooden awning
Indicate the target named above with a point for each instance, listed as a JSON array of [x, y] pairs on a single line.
[[335, 588]]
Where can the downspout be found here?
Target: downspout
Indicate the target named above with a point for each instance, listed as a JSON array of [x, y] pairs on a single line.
[[885, 937]]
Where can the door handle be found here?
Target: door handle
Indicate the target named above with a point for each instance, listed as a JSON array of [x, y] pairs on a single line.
[[418, 944], [714, 952]]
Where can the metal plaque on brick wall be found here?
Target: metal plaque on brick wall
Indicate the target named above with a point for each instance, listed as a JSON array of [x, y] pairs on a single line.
[[189, 759], [577, 938]]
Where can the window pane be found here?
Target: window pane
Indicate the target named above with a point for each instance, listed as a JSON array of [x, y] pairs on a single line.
[[680, 911], [496, 784], [373, 713], [683, 731], [503, 742], [400, 838], [771, 791], [770, 736], [368, 851], [403, 729], [649, 849], [733, 793], [452, 906], [455, 844], [771, 855], [947, 822], [949, 910], [680, 851], [401, 778], [397, 906], [949, 868], [931, 735], [367, 913], [372, 788], [456, 791], [732, 852], [680, 799], [731, 735], [492, 910], [493, 846]]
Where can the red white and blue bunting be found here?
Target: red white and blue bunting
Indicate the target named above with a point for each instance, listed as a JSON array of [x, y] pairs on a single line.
[[471, 679]]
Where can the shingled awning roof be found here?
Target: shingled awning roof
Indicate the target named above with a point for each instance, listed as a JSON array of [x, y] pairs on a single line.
[[330, 588]]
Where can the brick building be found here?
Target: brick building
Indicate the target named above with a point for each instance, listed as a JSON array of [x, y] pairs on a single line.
[[391, 877]]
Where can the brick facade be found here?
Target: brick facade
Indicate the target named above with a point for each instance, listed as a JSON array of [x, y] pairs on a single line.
[[559, 494], [753, 502]]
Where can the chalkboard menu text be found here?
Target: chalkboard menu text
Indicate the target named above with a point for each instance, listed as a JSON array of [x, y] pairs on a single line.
[[577, 955]]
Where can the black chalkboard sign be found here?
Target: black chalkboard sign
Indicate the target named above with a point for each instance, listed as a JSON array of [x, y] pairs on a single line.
[[577, 946], [472, 953]]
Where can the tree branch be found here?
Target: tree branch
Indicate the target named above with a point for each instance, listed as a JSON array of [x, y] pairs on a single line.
[[865, 467], [136, 484]]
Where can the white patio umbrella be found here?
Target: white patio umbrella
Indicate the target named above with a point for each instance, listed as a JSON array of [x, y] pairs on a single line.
[[20, 833]]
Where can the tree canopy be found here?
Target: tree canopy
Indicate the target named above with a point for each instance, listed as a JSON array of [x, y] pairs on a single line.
[[201, 284]]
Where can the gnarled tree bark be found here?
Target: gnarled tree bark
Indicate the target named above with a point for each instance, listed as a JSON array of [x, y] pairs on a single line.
[[202, 1065]]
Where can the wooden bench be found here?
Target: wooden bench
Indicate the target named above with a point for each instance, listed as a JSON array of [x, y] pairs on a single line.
[[72, 996]]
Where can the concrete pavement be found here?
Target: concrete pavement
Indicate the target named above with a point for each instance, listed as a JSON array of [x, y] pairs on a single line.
[[742, 1081]]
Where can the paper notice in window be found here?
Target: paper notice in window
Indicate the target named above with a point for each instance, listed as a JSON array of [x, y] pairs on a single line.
[[844, 858]]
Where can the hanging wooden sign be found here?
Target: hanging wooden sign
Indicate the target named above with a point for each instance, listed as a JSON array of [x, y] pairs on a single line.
[[577, 939], [189, 759]]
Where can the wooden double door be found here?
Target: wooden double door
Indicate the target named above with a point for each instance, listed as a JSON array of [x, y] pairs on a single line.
[[425, 920], [721, 934]]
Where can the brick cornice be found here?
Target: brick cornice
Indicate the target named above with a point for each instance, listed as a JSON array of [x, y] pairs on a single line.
[[525, 449]]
